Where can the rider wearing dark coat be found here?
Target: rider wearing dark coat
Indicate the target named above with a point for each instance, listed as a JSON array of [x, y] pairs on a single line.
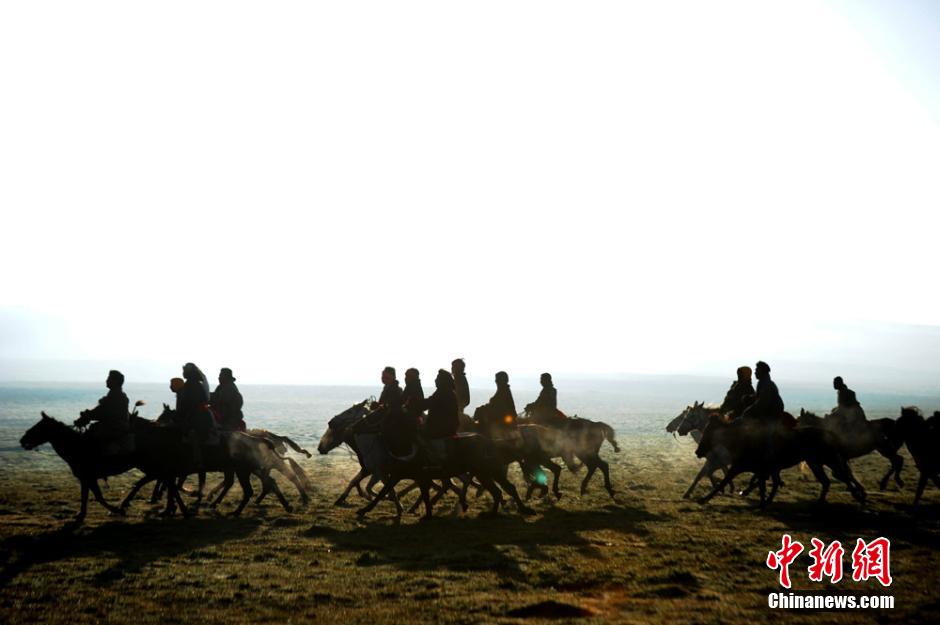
[[767, 405], [544, 409], [399, 428], [227, 400], [442, 421], [737, 397], [461, 387], [111, 415], [192, 406], [845, 397], [499, 414]]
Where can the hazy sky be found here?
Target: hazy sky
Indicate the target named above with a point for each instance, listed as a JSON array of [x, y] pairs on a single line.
[[308, 191]]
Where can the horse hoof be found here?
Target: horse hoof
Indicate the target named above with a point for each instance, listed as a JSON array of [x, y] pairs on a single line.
[[557, 495], [526, 510], [361, 512]]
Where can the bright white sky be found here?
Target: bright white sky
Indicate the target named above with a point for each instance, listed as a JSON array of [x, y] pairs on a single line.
[[308, 191]]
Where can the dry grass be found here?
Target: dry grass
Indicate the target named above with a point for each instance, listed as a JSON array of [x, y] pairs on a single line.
[[648, 557]]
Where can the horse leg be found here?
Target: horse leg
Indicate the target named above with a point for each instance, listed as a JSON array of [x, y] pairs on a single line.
[[96, 491], [134, 490], [555, 468], [426, 498], [762, 487], [352, 483], [84, 509], [774, 485], [605, 470], [395, 500], [270, 485], [463, 492], [179, 499], [157, 493], [388, 486], [494, 492], [721, 485], [702, 473], [822, 478], [375, 479], [591, 469], [921, 485], [214, 491], [897, 463], [227, 481], [507, 486], [843, 472], [750, 486], [291, 474], [244, 480]]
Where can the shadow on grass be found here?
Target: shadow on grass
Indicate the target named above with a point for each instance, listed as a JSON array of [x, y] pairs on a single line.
[[478, 544], [848, 521], [133, 544]]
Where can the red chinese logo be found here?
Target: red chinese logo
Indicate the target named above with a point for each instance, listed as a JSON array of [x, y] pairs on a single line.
[[826, 562], [872, 560], [783, 558], [869, 560]]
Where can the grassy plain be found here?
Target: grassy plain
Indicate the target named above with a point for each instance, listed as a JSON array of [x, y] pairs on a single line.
[[647, 557]]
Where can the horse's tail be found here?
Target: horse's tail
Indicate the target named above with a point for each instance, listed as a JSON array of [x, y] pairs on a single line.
[[610, 436], [300, 473], [287, 441]]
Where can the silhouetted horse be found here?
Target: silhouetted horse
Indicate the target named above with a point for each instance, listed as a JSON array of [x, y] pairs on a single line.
[[83, 457], [340, 431], [236, 455], [582, 439], [754, 449], [692, 422], [922, 437], [879, 435], [470, 454]]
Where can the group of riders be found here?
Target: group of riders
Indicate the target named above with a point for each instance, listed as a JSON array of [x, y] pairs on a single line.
[[408, 422], [765, 405], [405, 418], [199, 412]]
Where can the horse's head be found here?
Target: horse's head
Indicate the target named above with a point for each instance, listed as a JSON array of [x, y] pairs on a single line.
[[337, 426], [40, 433], [710, 434], [695, 419], [673, 425], [167, 415], [910, 420]]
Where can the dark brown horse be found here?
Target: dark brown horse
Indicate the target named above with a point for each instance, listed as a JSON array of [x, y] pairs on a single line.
[[922, 437], [879, 435], [83, 457], [766, 449], [468, 454]]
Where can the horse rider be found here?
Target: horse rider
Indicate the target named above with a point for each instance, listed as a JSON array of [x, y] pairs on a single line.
[[192, 410], [386, 414], [766, 406], [737, 396], [458, 369], [227, 401], [111, 416], [442, 421], [400, 428], [498, 416], [544, 409], [848, 412]]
